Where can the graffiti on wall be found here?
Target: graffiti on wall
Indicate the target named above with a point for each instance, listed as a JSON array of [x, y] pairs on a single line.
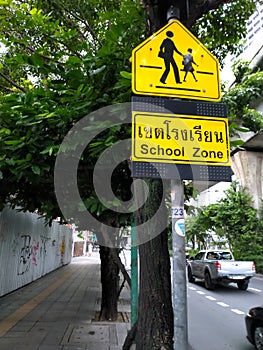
[[35, 249], [62, 249], [31, 252], [25, 255], [43, 248]]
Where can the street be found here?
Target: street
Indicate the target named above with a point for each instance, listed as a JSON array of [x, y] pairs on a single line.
[[216, 318]]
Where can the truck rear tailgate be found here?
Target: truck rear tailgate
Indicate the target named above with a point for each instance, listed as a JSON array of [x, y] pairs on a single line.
[[236, 269]]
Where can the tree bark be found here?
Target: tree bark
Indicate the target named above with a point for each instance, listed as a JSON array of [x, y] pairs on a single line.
[[155, 321], [155, 313], [110, 284]]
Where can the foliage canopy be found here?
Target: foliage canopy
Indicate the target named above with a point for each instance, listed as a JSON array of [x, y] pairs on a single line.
[[232, 219], [61, 61]]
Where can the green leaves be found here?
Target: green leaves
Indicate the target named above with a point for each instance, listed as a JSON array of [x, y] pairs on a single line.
[[234, 219], [222, 30], [241, 98], [62, 61], [126, 75], [36, 169], [5, 131]]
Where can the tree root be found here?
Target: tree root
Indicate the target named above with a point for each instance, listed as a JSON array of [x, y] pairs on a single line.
[[129, 341]]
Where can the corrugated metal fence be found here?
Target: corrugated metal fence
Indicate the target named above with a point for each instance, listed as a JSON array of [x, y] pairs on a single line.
[[29, 249]]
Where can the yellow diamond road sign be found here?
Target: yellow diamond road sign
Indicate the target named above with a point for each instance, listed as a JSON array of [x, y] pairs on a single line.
[[173, 63], [180, 139]]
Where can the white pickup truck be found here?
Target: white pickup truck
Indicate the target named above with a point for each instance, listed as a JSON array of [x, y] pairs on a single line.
[[219, 266]]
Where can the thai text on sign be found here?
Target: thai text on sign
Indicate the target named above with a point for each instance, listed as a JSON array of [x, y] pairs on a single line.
[[180, 139]]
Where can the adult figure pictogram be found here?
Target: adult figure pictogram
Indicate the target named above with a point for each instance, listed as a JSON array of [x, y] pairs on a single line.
[[166, 52], [188, 62]]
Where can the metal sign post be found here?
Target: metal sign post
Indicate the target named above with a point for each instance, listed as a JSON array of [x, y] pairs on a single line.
[[179, 268]]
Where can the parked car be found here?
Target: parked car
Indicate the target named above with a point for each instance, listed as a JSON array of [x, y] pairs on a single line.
[[254, 326], [219, 266]]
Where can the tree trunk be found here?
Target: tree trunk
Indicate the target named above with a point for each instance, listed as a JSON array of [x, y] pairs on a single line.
[[110, 284], [155, 321], [154, 327], [155, 313]]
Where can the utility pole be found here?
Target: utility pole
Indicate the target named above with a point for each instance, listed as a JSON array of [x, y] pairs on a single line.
[[179, 269], [179, 292]]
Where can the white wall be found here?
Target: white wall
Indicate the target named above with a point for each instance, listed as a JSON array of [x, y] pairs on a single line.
[[29, 249], [253, 45], [211, 195]]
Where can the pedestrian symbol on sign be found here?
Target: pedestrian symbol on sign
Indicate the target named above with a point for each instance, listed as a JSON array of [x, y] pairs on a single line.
[[162, 63], [166, 52]]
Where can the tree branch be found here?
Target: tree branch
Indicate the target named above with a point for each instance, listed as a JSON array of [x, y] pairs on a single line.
[[122, 268], [130, 338], [6, 88], [87, 26], [197, 8], [10, 81]]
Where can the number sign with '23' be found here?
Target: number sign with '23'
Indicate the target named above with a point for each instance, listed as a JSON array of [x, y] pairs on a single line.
[[177, 212]]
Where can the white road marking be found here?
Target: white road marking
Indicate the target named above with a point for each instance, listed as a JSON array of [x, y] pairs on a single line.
[[236, 311], [254, 289], [222, 304]]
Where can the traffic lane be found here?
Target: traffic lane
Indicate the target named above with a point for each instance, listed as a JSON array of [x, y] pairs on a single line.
[[256, 282], [214, 325], [241, 300]]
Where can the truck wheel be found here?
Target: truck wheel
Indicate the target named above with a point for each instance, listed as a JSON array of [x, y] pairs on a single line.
[[208, 282], [242, 285], [191, 278]]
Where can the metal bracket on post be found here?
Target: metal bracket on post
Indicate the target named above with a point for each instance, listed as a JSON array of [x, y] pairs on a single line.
[[180, 10], [173, 13]]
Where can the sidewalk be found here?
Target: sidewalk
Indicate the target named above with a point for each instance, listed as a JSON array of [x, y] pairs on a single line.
[[58, 312]]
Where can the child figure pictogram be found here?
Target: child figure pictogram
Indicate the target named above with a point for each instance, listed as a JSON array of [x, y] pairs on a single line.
[[188, 62]]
